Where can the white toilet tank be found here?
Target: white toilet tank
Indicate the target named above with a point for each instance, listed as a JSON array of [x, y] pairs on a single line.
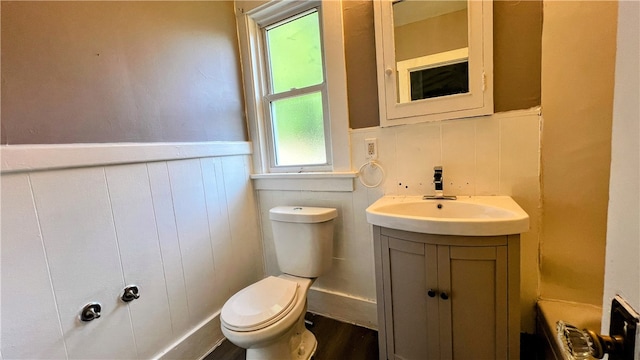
[[303, 238]]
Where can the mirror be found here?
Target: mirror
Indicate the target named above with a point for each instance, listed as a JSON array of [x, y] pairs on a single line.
[[435, 59], [431, 48]]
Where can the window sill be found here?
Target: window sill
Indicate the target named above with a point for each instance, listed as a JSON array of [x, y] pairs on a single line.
[[321, 181]]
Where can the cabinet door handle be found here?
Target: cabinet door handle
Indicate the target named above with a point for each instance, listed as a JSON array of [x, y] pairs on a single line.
[[431, 293], [444, 296]]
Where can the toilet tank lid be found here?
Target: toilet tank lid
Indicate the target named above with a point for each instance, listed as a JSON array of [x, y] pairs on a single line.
[[302, 214]]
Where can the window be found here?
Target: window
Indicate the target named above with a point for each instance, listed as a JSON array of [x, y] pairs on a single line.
[[295, 85], [296, 92]]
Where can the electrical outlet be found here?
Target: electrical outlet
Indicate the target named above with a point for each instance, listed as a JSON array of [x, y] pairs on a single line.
[[371, 148]]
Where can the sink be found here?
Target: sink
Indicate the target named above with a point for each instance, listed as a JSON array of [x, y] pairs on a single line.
[[468, 215]]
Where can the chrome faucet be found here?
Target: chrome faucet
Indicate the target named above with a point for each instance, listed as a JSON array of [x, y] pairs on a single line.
[[438, 182]]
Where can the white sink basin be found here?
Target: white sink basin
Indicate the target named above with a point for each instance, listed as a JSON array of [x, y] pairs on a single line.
[[468, 215]]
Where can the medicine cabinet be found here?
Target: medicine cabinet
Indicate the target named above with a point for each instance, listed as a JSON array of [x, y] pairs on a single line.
[[434, 59]]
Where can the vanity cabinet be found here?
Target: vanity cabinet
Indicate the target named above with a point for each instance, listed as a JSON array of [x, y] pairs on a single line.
[[447, 297]]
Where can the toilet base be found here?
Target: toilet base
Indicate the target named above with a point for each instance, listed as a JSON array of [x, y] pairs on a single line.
[[297, 344], [307, 347]]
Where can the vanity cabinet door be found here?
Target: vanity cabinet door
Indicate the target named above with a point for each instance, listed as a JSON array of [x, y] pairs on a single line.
[[444, 301], [411, 315], [473, 311]]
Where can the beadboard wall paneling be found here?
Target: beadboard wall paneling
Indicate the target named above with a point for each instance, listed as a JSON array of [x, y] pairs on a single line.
[[137, 234], [218, 222], [76, 219], [193, 231], [26, 282], [184, 231], [169, 246], [247, 260]]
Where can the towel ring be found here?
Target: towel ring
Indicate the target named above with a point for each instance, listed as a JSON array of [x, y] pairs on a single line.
[[374, 164]]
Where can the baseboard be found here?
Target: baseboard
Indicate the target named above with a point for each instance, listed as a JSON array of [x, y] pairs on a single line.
[[197, 343], [343, 307]]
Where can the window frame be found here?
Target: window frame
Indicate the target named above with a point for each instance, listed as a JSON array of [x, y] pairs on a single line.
[[271, 97], [252, 19]]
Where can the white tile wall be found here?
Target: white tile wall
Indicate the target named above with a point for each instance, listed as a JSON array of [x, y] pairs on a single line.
[[74, 236], [495, 155]]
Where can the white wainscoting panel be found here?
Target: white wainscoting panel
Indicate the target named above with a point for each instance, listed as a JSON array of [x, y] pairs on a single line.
[[84, 260], [169, 246], [25, 279], [193, 233], [218, 217], [243, 222], [132, 207], [185, 231]]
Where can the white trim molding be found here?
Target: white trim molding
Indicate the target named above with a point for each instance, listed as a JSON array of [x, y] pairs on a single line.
[[321, 181], [19, 158]]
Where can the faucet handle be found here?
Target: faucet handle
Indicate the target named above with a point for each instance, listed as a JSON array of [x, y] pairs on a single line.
[[437, 173]]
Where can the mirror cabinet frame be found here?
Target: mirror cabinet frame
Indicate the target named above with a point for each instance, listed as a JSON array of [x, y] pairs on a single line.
[[478, 101]]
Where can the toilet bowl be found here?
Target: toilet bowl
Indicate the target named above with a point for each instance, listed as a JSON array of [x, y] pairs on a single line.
[[267, 317], [273, 331]]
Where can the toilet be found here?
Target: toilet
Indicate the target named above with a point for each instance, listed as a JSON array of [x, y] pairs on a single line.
[[267, 317]]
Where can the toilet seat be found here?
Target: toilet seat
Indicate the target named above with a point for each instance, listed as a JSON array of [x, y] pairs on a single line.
[[259, 305]]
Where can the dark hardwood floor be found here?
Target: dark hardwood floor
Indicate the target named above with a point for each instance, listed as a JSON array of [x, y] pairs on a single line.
[[341, 341], [336, 340]]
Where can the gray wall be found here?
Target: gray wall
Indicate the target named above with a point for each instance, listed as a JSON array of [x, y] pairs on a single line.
[[85, 72], [76, 72]]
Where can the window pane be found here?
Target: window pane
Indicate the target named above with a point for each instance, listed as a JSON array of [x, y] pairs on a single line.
[[295, 54], [298, 130]]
